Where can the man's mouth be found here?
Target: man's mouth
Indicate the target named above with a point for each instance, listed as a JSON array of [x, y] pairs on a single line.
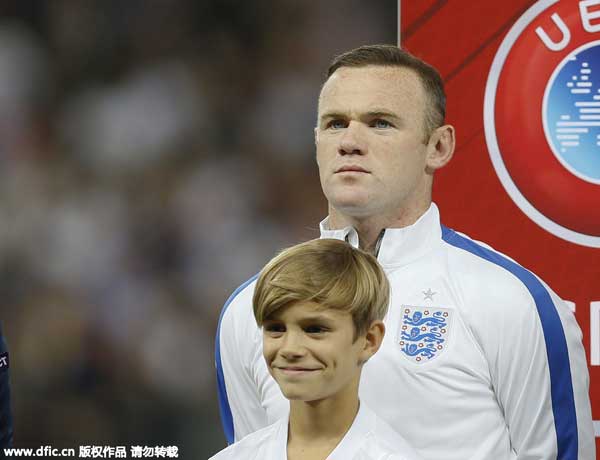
[[351, 168]]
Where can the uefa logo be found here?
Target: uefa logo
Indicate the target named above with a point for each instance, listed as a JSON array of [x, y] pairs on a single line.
[[542, 117]]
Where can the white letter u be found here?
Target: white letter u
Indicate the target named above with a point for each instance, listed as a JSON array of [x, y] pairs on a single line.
[[548, 41]]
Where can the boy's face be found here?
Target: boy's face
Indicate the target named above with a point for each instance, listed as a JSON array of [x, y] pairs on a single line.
[[310, 351]]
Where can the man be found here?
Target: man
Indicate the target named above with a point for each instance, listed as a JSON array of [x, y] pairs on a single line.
[[320, 305], [481, 360], [6, 429]]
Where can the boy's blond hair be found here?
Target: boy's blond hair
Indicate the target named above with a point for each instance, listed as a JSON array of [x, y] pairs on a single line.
[[329, 272]]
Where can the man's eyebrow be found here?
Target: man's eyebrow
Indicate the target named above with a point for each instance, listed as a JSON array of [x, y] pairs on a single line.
[[381, 113], [332, 115], [371, 114]]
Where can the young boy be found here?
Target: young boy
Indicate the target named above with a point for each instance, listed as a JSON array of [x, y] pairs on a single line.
[[320, 305]]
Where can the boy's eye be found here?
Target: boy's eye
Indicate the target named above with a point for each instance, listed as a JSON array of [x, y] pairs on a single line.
[[315, 329], [274, 328], [381, 124]]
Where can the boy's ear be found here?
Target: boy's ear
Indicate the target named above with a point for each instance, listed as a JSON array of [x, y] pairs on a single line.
[[373, 339]]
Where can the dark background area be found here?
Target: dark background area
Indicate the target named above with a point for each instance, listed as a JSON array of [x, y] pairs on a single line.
[[153, 156]]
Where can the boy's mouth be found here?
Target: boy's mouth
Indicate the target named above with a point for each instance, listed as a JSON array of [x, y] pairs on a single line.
[[296, 370]]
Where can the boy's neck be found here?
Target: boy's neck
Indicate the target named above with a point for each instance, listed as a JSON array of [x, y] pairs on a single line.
[[317, 427]]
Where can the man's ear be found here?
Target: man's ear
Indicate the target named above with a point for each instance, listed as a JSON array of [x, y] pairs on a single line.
[[440, 148], [373, 339], [316, 131]]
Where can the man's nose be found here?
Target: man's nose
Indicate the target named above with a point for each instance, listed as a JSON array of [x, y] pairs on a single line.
[[352, 140]]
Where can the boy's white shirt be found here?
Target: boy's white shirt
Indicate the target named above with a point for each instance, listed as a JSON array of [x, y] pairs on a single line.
[[369, 438]]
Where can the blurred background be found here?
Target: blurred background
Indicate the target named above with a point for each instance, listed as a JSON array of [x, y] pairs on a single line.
[[154, 154]]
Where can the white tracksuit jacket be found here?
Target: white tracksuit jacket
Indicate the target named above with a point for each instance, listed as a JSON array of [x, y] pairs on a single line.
[[481, 360], [369, 438]]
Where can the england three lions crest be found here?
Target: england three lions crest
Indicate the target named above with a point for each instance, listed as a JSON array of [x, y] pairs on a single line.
[[424, 332]]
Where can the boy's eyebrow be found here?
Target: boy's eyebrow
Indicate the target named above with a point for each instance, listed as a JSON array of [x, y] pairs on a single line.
[[307, 318], [316, 317]]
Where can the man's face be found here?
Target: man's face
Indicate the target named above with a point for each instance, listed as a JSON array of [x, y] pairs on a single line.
[[370, 139], [310, 351]]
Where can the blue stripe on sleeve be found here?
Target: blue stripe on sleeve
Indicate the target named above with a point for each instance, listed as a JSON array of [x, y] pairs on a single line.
[[563, 401], [225, 410]]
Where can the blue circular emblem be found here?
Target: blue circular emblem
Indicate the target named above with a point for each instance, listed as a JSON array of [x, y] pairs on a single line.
[[542, 117], [571, 112]]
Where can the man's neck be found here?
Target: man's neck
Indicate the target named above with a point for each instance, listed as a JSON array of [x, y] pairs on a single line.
[[370, 228]]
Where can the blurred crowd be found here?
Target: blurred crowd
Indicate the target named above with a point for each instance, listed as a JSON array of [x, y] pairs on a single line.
[[154, 154]]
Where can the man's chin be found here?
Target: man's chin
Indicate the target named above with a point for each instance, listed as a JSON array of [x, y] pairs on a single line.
[[353, 208]]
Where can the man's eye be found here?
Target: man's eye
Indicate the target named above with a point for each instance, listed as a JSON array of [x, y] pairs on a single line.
[[381, 124], [336, 124]]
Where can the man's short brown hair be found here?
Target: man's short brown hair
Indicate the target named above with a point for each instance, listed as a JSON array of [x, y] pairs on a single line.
[[392, 56], [328, 272]]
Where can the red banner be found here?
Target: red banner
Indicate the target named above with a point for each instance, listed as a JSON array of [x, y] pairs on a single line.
[[523, 85]]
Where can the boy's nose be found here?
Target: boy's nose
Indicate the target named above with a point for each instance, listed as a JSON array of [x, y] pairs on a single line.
[[292, 346]]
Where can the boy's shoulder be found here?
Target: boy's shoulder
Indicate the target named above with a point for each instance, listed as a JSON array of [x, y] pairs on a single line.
[[371, 438], [255, 446], [389, 443]]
